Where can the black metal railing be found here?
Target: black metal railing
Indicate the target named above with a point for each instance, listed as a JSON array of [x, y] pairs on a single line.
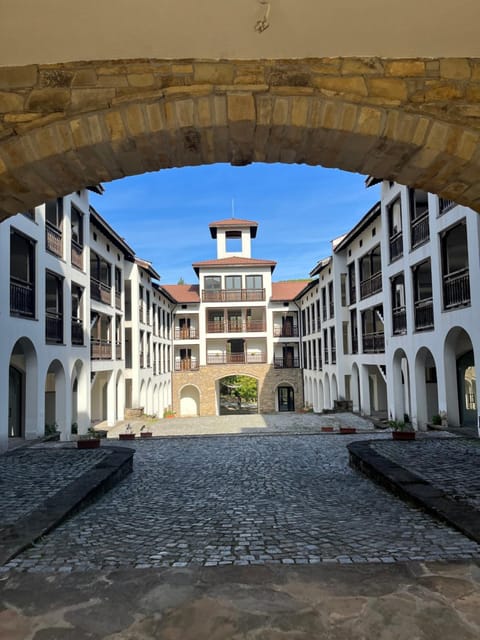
[[54, 327], [354, 344], [236, 358], [371, 285], [286, 362], [373, 342], [22, 298], [233, 295], [77, 332], [456, 289], [445, 205], [423, 314], [399, 320], [396, 246], [420, 231]]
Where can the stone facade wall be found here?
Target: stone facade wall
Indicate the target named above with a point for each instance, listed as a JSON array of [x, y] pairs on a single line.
[[269, 379], [415, 121]]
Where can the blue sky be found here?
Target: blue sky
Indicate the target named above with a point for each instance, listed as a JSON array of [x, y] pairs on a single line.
[[164, 216]]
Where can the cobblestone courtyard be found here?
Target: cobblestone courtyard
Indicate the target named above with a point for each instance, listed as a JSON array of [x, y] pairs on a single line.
[[237, 500]]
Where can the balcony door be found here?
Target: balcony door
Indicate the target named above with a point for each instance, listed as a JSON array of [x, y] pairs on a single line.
[[185, 359], [288, 357], [236, 351], [184, 324], [286, 399], [287, 326]]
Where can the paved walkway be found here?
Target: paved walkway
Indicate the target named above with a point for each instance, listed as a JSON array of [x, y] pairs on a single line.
[[253, 424]]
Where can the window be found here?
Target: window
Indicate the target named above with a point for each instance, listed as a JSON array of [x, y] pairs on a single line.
[[455, 273], [354, 330], [76, 219], [54, 212], [324, 303], [333, 345], [213, 283], [233, 283], [29, 213], [352, 283], [22, 275], [419, 227], [331, 302], [371, 273], [254, 282], [394, 215], [53, 308], [53, 226], [422, 293], [373, 337], [77, 315], [399, 314]]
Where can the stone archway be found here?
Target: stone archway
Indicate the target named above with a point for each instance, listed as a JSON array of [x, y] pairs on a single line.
[[413, 121], [426, 387], [22, 418], [56, 411]]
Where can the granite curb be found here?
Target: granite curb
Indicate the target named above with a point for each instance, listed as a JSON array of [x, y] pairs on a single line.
[[412, 488], [93, 483]]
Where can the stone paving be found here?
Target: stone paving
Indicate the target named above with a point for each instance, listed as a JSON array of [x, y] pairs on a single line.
[[451, 464], [217, 501], [30, 475]]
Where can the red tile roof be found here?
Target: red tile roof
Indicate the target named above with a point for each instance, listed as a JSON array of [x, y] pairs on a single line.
[[288, 290], [234, 261], [182, 292]]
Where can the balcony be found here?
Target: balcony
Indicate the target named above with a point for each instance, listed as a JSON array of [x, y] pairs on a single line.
[[118, 300], [399, 321], [371, 285], [187, 364], [54, 327], [236, 358], [286, 362], [396, 246], [334, 355], [236, 326], [118, 350], [100, 349], [286, 331], [456, 289], [77, 255], [22, 298], [77, 332], [186, 333], [445, 205], [352, 294], [373, 343], [354, 344], [53, 239], [423, 314], [100, 291], [233, 295], [420, 230]]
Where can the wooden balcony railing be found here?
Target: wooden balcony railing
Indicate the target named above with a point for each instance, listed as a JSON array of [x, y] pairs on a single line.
[[396, 246], [399, 320], [187, 364], [118, 300], [22, 298], [54, 327], [77, 255], [285, 332], [420, 230], [423, 314], [456, 289], [53, 239], [236, 358], [77, 332], [371, 285], [100, 349], [233, 295], [100, 291], [118, 351], [373, 343], [186, 333], [286, 362], [234, 326]]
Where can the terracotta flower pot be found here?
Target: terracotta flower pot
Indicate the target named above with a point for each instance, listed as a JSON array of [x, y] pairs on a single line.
[[91, 443], [126, 436], [348, 430], [327, 429], [145, 434], [403, 435]]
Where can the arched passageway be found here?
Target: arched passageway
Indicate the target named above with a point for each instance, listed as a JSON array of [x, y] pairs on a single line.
[[24, 418], [56, 399], [91, 122], [237, 394], [460, 379], [426, 387], [401, 387]]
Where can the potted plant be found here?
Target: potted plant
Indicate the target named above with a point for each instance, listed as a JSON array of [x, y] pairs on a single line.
[[327, 429], [443, 419], [128, 435], [401, 430], [52, 432], [89, 440], [436, 420], [169, 413], [144, 433]]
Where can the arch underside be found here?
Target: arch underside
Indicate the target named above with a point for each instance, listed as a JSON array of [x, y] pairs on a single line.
[[68, 126]]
